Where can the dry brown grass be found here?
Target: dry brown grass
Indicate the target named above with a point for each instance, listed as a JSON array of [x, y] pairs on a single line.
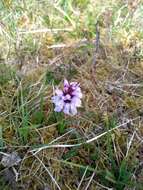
[[101, 147]]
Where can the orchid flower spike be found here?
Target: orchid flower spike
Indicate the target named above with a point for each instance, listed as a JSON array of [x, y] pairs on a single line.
[[68, 99]]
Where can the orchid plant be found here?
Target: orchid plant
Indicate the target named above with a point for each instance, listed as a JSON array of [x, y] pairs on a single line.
[[68, 99]]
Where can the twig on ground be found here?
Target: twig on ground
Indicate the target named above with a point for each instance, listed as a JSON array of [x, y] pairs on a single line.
[[45, 30], [90, 181], [82, 178], [37, 150], [53, 179], [97, 39]]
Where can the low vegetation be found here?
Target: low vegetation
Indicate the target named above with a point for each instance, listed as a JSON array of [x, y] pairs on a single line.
[[98, 44]]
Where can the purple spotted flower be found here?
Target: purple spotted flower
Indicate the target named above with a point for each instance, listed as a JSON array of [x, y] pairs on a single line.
[[68, 99]]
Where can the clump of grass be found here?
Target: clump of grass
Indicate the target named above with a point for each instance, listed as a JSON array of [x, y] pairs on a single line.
[[7, 74]]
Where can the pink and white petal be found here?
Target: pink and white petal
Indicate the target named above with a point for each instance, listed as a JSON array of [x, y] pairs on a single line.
[[78, 89], [66, 83], [60, 103], [76, 102], [77, 94], [58, 109], [74, 84], [55, 99], [73, 109], [67, 97], [66, 109], [59, 92]]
